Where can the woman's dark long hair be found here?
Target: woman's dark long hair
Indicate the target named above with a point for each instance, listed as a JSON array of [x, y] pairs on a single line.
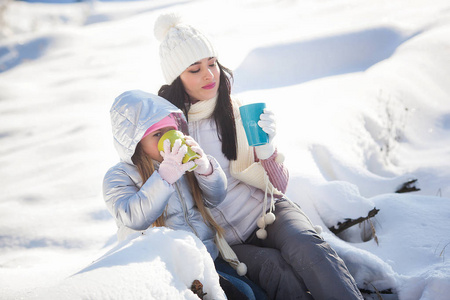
[[223, 112]]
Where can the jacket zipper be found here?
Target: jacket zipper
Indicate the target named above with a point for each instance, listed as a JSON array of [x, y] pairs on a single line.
[[183, 205], [234, 230]]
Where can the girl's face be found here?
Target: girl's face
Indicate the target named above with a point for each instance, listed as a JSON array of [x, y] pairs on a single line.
[[201, 79], [150, 143]]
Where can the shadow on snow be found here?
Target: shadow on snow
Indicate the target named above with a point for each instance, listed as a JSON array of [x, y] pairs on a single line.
[[290, 64], [12, 56]]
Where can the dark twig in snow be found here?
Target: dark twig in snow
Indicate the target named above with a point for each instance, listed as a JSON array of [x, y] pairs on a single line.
[[350, 222]]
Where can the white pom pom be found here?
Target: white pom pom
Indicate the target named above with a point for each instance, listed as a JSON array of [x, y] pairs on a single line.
[[261, 234], [164, 23], [269, 218], [318, 228], [261, 223], [241, 269]]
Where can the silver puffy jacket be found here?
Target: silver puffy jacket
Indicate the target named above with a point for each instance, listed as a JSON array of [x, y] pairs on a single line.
[[136, 205]]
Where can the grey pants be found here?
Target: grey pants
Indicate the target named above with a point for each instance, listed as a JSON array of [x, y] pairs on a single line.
[[294, 262]]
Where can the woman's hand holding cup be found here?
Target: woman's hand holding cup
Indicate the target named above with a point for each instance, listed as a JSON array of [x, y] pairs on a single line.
[[259, 125], [268, 124]]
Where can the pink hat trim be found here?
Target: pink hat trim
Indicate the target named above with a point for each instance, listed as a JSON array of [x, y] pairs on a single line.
[[166, 122]]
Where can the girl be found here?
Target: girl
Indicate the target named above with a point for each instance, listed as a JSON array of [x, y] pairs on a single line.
[[152, 188], [281, 248]]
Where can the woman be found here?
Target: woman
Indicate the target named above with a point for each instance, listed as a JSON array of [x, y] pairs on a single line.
[[273, 237], [149, 187]]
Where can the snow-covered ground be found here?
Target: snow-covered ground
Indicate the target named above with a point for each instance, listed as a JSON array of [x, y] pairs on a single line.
[[361, 90]]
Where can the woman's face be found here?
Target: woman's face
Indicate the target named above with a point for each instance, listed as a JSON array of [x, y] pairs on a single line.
[[201, 79], [150, 143]]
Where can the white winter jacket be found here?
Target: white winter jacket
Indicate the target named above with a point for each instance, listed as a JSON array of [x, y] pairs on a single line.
[[136, 205]]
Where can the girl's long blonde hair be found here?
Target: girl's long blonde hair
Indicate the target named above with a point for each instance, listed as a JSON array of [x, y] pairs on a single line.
[[145, 167]]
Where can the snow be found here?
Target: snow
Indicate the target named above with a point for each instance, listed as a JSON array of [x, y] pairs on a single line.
[[166, 276], [361, 92]]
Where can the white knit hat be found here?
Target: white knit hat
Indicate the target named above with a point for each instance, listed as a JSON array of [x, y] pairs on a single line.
[[181, 45]]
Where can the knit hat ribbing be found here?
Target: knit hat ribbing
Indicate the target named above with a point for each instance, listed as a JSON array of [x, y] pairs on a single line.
[[168, 121], [181, 45]]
